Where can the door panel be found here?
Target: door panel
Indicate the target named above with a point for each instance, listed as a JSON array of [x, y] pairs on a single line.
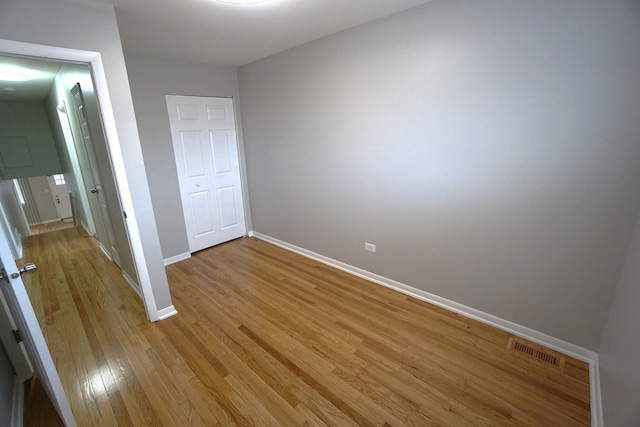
[[227, 206], [221, 152], [202, 214], [15, 351], [187, 112], [22, 312], [194, 154], [106, 235], [215, 112], [206, 150]]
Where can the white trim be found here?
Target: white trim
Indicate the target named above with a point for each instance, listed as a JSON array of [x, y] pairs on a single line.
[[19, 246], [167, 312], [556, 344], [104, 251], [132, 284], [597, 415], [49, 221], [251, 233], [101, 87], [17, 404], [177, 258], [86, 228]]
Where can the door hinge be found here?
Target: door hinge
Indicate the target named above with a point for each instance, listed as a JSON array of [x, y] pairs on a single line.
[[17, 336]]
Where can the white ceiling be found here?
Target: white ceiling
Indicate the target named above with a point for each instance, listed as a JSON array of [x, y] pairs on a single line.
[[40, 72], [218, 33], [213, 32]]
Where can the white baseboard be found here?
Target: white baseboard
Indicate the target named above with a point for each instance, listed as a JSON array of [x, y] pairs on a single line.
[[177, 258], [167, 312], [597, 416], [46, 222], [86, 228], [105, 252], [17, 404], [132, 283], [553, 343]]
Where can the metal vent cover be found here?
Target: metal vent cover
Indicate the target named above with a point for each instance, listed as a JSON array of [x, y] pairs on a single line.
[[538, 353]]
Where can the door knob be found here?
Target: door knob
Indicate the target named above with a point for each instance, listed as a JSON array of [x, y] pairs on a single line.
[[94, 190], [27, 268]]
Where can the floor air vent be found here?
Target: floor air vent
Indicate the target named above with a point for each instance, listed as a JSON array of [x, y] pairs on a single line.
[[536, 352]]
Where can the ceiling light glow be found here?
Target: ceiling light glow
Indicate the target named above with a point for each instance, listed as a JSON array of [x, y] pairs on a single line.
[[242, 1], [13, 77]]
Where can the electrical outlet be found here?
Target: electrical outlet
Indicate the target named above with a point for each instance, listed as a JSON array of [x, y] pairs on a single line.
[[369, 247]]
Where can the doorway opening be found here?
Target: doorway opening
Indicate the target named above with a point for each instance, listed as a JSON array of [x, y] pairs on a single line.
[[74, 183]]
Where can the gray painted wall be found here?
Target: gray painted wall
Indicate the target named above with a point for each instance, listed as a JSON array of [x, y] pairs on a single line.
[[619, 350], [29, 121], [490, 149], [151, 79]]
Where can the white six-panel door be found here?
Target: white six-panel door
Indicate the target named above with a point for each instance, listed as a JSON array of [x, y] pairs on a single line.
[[205, 145]]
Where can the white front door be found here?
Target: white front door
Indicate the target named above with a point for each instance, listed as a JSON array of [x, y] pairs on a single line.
[[206, 151], [22, 312], [60, 196]]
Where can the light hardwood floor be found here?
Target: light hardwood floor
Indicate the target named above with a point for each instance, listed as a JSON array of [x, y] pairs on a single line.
[[50, 226], [266, 337]]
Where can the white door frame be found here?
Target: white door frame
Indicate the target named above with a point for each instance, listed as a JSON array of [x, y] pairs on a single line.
[[94, 59]]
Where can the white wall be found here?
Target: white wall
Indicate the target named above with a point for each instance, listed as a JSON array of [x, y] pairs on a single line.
[[93, 28], [490, 149], [43, 199], [151, 79]]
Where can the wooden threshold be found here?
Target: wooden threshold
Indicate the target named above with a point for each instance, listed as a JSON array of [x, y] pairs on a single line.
[[267, 337]]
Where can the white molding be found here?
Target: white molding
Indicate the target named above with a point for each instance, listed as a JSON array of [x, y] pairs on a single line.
[[17, 403], [18, 243], [251, 233], [49, 221], [553, 343], [177, 258], [86, 227], [597, 415], [132, 283], [105, 252], [167, 312]]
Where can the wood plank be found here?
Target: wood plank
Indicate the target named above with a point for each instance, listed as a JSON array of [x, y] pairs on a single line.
[[267, 337]]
